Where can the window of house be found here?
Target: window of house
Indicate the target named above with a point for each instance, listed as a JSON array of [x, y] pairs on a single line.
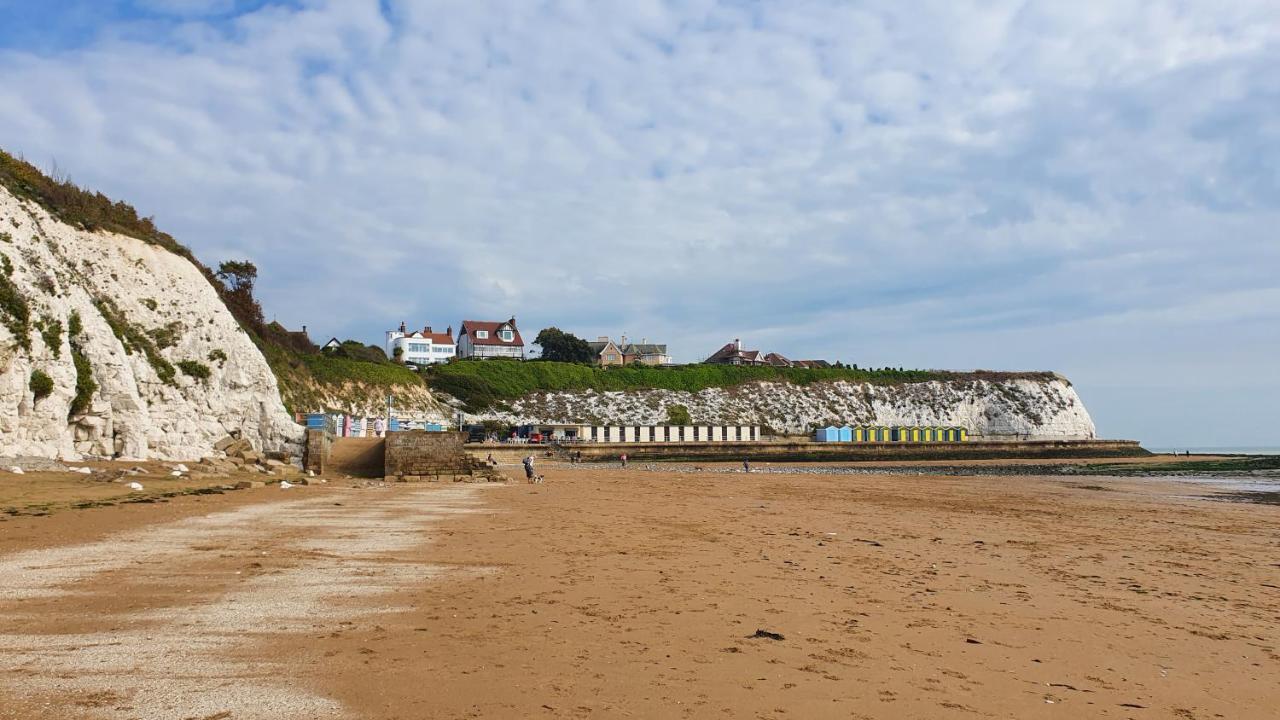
[[506, 335], [418, 348], [482, 334]]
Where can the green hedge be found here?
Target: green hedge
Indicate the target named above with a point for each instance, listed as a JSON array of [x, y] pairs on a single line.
[[484, 383]]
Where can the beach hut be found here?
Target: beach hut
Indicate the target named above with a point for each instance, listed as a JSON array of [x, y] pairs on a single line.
[[846, 434], [827, 434], [860, 434]]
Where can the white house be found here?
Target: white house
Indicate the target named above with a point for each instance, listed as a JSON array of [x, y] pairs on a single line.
[[480, 339], [421, 347]]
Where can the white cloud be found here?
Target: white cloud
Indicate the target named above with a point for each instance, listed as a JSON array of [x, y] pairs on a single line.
[[815, 173]]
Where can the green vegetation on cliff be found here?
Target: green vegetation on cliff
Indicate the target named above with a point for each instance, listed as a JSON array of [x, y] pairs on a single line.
[[82, 208], [486, 383], [85, 384], [41, 384], [353, 375]]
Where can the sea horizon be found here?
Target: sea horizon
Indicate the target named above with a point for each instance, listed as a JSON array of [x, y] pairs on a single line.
[[1219, 450]]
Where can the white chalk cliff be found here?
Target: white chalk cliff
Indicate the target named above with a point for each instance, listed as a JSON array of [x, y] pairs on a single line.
[[170, 328], [1047, 408]]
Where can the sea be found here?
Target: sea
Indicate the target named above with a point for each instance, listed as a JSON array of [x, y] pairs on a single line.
[[1245, 450]]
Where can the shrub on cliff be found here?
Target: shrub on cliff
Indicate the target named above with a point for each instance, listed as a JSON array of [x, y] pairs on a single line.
[[678, 415], [15, 313], [195, 369], [85, 384], [41, 384]]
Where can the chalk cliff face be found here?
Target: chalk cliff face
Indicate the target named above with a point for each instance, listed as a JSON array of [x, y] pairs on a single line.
[[173, 371], [1040, 409]]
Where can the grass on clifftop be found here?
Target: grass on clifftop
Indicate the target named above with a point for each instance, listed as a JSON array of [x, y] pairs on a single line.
[[82, 208], [312, 381], [485, 383]]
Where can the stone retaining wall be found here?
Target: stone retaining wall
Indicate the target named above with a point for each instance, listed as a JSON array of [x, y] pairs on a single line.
[[316, 450], [417, 455]]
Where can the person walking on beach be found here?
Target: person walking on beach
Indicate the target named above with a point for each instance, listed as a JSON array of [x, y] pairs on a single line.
[[746, 466], [624, 459], [528, 468], [379, 427]]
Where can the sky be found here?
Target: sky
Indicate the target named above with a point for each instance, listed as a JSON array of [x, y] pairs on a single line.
[[1089, 187]]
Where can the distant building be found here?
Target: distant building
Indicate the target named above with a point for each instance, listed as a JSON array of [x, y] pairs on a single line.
[[733, 354], [776, 360], [421, 347], [624, 352], [480, 339], [607, 351], [333, 344]]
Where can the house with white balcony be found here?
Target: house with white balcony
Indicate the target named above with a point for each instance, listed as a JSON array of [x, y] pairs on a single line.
[[482, 340], [421, 347]]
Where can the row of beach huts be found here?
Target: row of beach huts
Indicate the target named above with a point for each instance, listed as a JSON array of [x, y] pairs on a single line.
[[881, 433]]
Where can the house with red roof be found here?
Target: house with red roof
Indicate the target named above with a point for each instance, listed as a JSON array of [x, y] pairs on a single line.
[[481, 339], [421, 347]]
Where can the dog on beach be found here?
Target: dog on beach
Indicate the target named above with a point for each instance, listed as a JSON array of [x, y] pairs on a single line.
[[535, 479]]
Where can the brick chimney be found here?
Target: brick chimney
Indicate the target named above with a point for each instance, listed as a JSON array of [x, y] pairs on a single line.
[[449, 331], [402, 327], [426, 330]]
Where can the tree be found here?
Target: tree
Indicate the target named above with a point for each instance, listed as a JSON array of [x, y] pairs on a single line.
[[238, 277], [561, 346]]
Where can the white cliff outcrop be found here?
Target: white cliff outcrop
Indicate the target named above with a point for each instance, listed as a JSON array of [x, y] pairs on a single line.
[[173, 371], [1047, 408]]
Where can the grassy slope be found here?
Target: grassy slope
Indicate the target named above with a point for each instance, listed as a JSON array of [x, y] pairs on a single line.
[[304, 377], [481, 384]]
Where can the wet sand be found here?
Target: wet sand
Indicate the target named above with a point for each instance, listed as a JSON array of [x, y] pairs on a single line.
[[638, 594]]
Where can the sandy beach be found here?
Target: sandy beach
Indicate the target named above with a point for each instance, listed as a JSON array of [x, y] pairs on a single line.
[[605, 593]]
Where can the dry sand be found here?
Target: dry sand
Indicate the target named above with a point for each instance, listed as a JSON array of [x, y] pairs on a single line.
[[636, 594]]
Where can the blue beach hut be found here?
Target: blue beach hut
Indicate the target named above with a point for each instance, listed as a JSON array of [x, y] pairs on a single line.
[[827, 434], [846, 434]]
